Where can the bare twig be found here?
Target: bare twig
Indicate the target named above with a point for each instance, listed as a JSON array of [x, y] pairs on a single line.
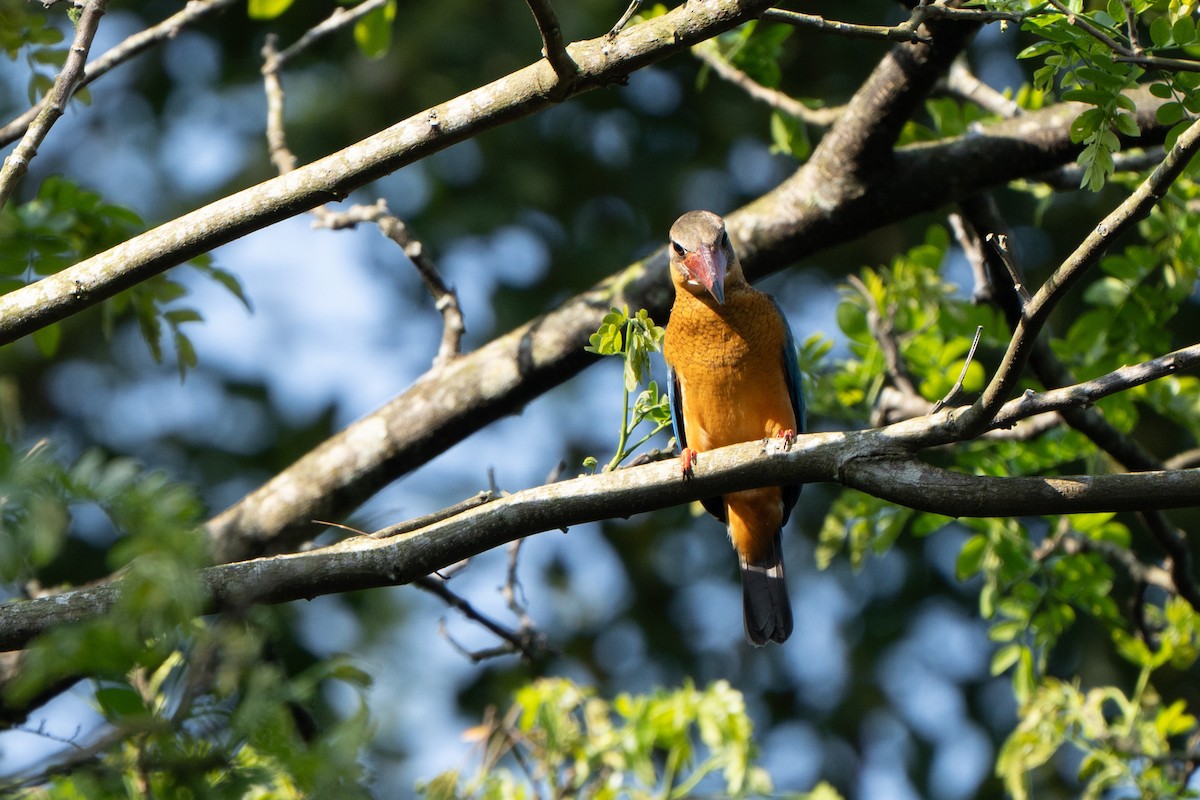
[[425, 521], [1084, 24], [1183, 460], [1083, 395], [972, 247], [999, 243], [819, 117], [445, 298], [277, 146], [340, 18], [956, 389], [624, 20], [1131, 27], [885, 335], [530, 645], [1067, 541], [55, 103], [962, 82], [905, 32]]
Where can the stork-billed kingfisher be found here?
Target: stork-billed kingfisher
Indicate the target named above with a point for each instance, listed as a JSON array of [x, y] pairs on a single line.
[[734, 377]]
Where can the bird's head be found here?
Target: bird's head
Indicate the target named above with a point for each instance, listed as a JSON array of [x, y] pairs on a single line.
[[701, 255]]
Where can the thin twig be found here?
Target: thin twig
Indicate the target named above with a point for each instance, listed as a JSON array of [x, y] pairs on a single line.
[[963, 83], [445, 299], [68, 80], [416, 523], [518, 641], [999, 243], [883, 333], [1131, 27], [1087, 26], [340, 18], [904, 32], [819, 117], [277, 146], [956, 389], [1183, 460], [624, 20]]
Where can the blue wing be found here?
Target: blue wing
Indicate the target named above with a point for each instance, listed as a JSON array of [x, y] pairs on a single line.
[[713, 505], [791, 368]]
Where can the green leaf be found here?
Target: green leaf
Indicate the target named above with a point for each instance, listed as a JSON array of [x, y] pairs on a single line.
[[1169, 113], [120, 702], [268, 9], [789, 136], [1107, 291], [373, 33], [48, 338], [970, 558], [1184, 31], [1160, 32]]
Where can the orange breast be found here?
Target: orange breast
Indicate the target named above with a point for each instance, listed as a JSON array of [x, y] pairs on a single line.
[[729, 364]]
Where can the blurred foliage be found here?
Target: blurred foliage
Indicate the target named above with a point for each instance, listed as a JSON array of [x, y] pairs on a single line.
[[65, 224], [1101, 670], [563, 741]]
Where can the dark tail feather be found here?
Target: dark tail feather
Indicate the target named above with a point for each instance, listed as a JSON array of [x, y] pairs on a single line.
[[765, 604]]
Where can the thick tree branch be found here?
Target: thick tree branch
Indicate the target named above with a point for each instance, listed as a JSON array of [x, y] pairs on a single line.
[[875, 461], [1084, 417], [600, 61], [800, 217]]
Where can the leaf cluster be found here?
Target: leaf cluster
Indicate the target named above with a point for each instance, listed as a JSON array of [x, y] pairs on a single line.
[[560, 739], [632, 338], [65, 223]]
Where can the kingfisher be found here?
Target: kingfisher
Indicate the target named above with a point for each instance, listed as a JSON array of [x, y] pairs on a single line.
[[734, 376]]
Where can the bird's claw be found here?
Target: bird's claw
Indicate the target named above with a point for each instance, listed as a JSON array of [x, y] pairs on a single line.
[[688, 459], [789, 437]]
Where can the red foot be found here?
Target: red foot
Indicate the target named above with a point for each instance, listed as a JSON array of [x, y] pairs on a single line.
[[788, 435], [688, 457]]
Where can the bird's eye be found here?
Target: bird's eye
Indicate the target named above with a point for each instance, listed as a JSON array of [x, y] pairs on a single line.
[[724, 238], [679, 250]]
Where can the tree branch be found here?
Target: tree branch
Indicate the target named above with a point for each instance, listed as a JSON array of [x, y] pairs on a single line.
[[55, 102], [600, 61], [801, 216], [554, 48], [340, 18], [122, 52], [819, 117], [1089, 252], [875, 461]]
